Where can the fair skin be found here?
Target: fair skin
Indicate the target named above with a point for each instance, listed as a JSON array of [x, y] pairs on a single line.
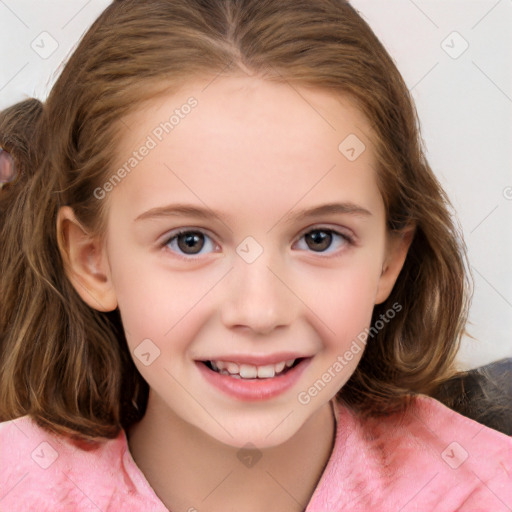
[[256, 153]]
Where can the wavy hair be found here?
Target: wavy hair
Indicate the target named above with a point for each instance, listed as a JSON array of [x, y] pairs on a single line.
[[68, 365]]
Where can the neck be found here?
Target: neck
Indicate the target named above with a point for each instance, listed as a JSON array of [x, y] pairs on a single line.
[[189, 470]]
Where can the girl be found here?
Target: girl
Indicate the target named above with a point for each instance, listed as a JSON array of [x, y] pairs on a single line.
[[230, 279]]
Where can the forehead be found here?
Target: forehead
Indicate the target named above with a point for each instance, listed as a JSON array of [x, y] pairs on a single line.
[[243, 137]]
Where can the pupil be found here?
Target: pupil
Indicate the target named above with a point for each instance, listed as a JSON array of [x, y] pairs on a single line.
[[321, 240], [187, 241]]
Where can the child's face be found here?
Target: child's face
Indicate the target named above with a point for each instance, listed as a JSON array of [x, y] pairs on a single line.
[[252, 283]]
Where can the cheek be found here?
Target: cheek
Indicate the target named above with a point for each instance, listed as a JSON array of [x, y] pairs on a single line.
[[343, 300], [346, 310], [139, 294], [155, 303]]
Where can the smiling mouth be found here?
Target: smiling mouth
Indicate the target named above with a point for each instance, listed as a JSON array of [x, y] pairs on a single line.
[[252, 372]]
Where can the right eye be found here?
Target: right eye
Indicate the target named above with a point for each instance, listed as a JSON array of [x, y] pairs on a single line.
[[188, 242]]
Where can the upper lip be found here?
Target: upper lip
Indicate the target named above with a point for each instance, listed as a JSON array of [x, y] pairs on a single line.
[[257, 360]]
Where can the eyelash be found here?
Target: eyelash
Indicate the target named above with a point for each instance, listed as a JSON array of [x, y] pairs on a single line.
[[346, 238]]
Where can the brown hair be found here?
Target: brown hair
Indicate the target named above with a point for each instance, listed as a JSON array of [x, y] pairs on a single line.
[[66, 364]]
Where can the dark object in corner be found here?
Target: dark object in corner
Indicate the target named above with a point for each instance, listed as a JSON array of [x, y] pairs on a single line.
[[483, 394]]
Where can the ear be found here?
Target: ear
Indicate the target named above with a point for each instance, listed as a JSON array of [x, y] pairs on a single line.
[[85, 262], [397, 247]]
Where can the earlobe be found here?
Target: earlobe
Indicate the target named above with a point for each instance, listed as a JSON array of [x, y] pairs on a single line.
[[85, 262], [398, 247]]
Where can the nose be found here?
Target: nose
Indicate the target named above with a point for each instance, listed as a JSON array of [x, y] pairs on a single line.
[[256, 298]]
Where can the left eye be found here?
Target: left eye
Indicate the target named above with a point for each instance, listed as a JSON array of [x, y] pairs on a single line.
[[189, 242], [319, 240]]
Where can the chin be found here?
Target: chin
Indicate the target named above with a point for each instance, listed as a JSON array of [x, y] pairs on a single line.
[[260, 429]]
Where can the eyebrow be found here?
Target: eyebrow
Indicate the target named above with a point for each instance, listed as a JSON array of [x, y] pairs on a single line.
[[177, 210], [325, 209]]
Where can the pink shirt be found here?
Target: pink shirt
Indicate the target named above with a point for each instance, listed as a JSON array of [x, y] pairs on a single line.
[[429, 459]]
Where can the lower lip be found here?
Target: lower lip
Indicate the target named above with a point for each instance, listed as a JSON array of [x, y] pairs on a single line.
[[251, 390]]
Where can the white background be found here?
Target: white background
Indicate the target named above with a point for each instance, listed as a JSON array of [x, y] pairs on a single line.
[[464, 102]]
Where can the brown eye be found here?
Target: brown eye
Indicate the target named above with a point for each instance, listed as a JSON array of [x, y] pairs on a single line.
[[318, 240], [190, 242], [325, 241]]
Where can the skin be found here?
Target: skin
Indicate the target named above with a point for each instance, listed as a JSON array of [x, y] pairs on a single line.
[[256, 152]]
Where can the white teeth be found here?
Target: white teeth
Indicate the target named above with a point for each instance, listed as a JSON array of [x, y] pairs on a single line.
[[249, 371], [232, 368], [279, 367], [266, 372]]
